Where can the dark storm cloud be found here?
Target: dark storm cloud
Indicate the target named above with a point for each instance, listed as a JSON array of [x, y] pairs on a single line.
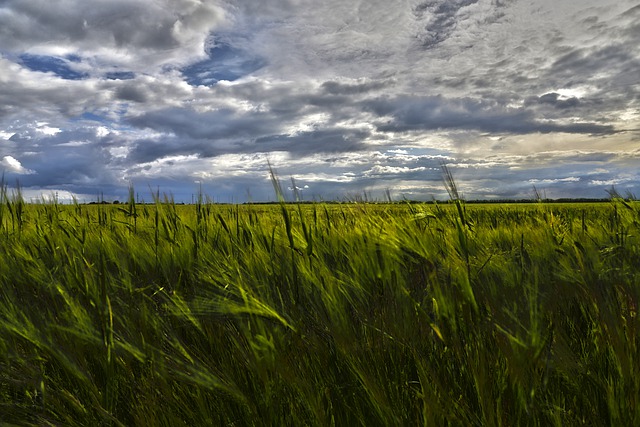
[[273, 126], [432, 113], [131, 92], [148, 150], [221, 124], [120, 75], [286, 101], [441, 20], [604, 60], [65, 160], [298, 145], [554, 99], [334, 140]]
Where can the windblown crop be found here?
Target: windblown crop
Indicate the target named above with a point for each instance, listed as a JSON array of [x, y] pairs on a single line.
[[319, 314]]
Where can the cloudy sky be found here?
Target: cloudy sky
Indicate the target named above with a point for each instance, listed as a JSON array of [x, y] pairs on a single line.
[[346, 97]]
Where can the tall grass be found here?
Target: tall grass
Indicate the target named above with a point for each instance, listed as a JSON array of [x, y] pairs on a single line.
[[357, 314]]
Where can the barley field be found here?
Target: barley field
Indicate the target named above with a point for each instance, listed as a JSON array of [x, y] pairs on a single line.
[[319, 314]]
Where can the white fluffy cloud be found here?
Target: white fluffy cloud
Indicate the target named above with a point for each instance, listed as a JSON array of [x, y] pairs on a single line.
[[12, 165]]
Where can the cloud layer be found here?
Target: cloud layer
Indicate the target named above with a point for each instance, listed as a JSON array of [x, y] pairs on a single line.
[[347, 97]]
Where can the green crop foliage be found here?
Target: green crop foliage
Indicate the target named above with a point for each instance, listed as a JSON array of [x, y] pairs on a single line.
[[319, 314]]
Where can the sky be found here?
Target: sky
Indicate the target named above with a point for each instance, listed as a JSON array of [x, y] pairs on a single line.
[[345, 99]]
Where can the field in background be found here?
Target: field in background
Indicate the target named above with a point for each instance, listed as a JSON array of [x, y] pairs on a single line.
[[359, 314]]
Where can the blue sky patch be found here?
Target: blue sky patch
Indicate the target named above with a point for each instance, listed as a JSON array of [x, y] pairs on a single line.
[[91, 116], [52, 64], [224, 63], [73, 58]]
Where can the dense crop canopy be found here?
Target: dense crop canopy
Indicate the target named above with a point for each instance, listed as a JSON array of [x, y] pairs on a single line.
[[319, 314]]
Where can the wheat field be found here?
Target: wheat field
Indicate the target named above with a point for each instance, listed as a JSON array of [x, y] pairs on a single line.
[[319, 314]]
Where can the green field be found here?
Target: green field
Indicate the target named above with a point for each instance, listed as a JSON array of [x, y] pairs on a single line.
[[319, 314]]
